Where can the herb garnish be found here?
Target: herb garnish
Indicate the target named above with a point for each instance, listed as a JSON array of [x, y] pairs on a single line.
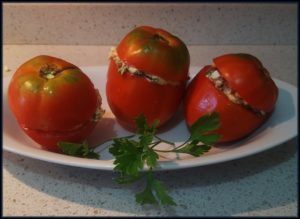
[[78, 150], [136, 156]]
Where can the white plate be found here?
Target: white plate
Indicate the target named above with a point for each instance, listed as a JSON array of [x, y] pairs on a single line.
[[281, 127]]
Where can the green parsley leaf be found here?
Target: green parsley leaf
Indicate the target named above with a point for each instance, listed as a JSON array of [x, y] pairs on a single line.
[[145, 140], [78, 150], [146, 196], [141, 124], [200, 132], [161, 193], [204, 125], [153, 185], [128, 156], [193, 149], [150, 156], [152, 129], [208, 139]]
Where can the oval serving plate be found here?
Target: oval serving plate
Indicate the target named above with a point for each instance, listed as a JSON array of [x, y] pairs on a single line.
[[281, 127]]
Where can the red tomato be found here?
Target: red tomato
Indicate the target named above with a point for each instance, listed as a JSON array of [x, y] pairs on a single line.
[[147, 74], [246, 75], [254, 91], [53, 100]]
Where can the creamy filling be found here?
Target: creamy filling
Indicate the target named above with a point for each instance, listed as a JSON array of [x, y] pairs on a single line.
[[220, 83], [124, 67], [98, 114]]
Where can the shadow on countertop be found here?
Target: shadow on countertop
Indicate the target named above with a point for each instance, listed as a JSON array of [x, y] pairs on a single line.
[[259, 182]]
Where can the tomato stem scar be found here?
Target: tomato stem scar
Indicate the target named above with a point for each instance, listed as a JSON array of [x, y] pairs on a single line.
[[49, 71]]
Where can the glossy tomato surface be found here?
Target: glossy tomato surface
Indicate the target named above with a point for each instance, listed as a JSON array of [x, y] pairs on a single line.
[[245, 75], [53, 100], [154, 52]]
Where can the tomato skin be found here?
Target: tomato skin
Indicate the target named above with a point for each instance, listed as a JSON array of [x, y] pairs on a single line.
[[56, 109], [246, 75], [48, 139], [129, 95], [236, 121], [155, 52]]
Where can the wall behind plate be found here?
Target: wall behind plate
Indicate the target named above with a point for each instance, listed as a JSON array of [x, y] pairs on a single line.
[[107, 23]]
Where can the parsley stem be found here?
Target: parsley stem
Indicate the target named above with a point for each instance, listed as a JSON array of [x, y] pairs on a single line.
[[158, 150], [162, 140], [111, 139], [181, 145], [172, 150], [155, 143]]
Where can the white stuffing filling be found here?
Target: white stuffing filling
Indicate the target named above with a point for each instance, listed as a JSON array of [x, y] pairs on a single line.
[[98, 114], [124, 67], [220, 83]]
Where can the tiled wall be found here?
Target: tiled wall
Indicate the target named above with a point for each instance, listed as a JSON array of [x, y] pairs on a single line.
[[107, 23]]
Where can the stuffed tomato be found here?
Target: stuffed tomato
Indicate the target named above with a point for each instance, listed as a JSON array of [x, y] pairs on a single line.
[[239, 88], [53, 100], [148, 72]]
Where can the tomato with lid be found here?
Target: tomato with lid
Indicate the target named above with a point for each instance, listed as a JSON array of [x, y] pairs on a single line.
[[147, 73], [239, 88]]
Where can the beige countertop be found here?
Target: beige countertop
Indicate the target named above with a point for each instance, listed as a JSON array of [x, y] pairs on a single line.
[[264, 184]]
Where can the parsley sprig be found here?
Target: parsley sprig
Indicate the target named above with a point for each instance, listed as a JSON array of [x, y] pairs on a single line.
[[78, 150], [136, 156]]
